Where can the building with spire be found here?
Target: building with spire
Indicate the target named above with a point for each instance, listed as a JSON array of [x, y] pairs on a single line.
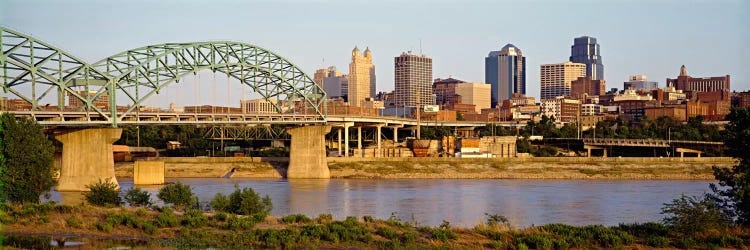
[[505, 71], [585, 50], [716, 87], [361, 84]]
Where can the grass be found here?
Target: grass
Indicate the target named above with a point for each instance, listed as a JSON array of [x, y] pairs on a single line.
[[195, 229]]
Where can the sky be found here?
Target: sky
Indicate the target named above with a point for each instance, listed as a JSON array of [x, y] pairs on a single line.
[[654, 38]]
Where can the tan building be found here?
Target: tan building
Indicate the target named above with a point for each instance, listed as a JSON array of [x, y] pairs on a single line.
[[475, 93], [413, 78], [556, 79], [361, 77], [258, 106]]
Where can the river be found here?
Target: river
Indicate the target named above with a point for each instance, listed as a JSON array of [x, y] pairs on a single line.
[[462, 202]]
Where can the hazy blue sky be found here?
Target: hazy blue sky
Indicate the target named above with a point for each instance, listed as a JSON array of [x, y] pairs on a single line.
[[637, 37]]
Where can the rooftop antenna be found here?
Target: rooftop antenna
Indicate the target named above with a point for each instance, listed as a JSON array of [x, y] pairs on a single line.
[[420, 46]]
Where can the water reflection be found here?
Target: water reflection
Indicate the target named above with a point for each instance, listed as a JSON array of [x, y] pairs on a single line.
[[462, 202]]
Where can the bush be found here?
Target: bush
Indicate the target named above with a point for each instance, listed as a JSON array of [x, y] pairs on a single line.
[[657, 241], [244, 202], [235, 222], [220, 216], [177, 194], [74, 222], [136, 197], [692, 215], [103, 193], [539, 241], [106, 227], [324, 218], [496, 220], [386, 233], [368, 219], [26, 170], [194, 218], [166, 218], [296, 218]]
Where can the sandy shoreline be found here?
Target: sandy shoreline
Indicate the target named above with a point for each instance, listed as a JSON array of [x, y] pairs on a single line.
[[450, 168]]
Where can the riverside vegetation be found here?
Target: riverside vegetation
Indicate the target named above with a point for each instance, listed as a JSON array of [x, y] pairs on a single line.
[[719, 219]]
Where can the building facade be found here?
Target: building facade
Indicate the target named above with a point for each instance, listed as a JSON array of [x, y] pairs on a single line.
[[74, 103], [585, 50], [413, 77], [445, 91], [258, 106], [505, 71], [335, 83], [474, 93], [562, 109], [556, 79], [361, 77], [583, 87], [640, 82], [691, 85]]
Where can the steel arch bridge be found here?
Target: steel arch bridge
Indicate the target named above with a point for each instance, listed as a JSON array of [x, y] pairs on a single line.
[[34, 70]]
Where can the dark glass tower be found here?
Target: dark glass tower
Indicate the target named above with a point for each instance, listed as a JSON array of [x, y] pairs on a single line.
[[505, 71], [585, 50]]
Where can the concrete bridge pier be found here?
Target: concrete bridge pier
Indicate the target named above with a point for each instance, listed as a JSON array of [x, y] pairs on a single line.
[[87, 158], [307, 156]]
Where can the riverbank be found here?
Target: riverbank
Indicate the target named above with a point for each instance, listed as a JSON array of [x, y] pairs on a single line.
[[450, 168], [164, 229]]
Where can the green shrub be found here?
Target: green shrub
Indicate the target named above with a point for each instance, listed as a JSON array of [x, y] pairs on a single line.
[[386, 233], [177, 194], [368, 219], [64, 209], [106, 227], [140, 212], [443, 232], [496, 220], [324, 218], [522, 246], [32, 209], [74, 222], [43, 219], [645, 229], [235, 222], [166, 218], [657, 241], [539, 241], [220, 216], [242, 201], [194, 218], [136, 197], [149, 228], [409, 237], [296, 218], [103, 193], [691, 215]]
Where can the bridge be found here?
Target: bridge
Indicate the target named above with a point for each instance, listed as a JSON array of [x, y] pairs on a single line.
[[606, 144]]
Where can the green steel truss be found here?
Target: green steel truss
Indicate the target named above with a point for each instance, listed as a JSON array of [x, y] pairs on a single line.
[[140, 73]]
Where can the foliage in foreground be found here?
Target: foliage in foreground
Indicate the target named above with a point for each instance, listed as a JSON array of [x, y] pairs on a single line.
[[178, 194], [692, 215], [732, 193], [103, 193], [220, 230], [243, 201], [27, 166], [136, 197]]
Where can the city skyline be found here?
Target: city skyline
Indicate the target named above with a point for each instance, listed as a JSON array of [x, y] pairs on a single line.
[[458, 46]]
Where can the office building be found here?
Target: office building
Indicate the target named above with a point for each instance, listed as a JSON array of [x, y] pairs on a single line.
[[413, 77], [445, 91], [694, 85], [585, 50], [361, 77], [584, 87], [335, 83], [505, 71], [640, 83], [556, 79], [562, 109]]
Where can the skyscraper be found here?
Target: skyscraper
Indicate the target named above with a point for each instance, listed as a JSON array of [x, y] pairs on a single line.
[[505, 71], [413, 80], [585, 50], [556, 79], [361, 77]]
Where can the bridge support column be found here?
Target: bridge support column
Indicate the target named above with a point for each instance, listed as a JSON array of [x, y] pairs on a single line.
[[87, 158], [346, 141], [379, 135], [339, 147], [307, 156], [359, 140], [395, 135]]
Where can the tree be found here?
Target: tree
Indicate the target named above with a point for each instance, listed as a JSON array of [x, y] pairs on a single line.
[[27, 169], [691, 215], [178, 194], [103, 193], [732, 193]]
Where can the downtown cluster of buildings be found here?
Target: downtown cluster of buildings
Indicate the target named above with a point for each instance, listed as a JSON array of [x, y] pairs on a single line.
[[573, 91]]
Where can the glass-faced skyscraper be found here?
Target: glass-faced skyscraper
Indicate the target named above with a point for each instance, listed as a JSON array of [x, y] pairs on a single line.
[[585, 50], [505, 71]]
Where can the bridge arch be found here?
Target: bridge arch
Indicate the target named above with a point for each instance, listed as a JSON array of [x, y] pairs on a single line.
[[33, 70], [156, 66]]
